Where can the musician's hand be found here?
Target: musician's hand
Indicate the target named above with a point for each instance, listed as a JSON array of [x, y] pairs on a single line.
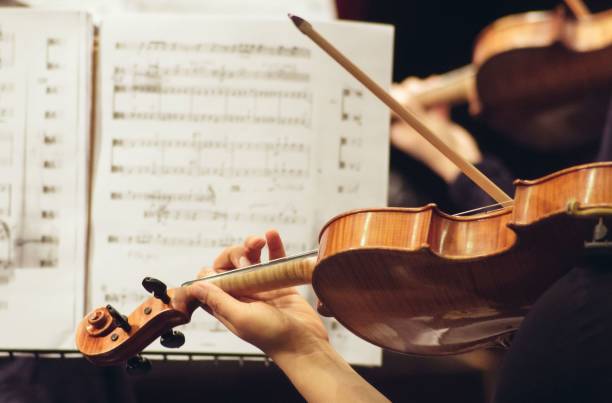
[[283, 325], [278, 321], [406, 139]]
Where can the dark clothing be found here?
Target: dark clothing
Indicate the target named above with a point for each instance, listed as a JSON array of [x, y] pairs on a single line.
[[605, 148], [54, 380], [561, 352]]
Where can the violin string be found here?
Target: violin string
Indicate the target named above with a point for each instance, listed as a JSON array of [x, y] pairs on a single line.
[[312, 252], [502, 205], [257, 266]]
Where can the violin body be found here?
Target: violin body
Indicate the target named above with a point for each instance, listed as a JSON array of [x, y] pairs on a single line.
[[422, 282], [543, 79], [412, 280]]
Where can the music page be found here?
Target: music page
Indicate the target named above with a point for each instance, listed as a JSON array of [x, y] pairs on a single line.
[[214, 129], [44, 135]]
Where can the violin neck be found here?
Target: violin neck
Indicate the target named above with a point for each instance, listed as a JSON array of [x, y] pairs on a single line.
[[452, 88], [275, 274]]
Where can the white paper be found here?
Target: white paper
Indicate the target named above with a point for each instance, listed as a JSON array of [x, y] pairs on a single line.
[[312, 9], [214, 129], [44, 132]]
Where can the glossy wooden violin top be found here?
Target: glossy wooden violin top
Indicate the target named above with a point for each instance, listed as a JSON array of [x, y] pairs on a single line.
[[542, 78], [411, 280]]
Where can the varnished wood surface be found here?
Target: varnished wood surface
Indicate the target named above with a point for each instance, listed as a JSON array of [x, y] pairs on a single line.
[[542, 28], [115, 345], [541, 78], [103, 343], [589, 185], [544, 79], [269, 277], [419, 281]]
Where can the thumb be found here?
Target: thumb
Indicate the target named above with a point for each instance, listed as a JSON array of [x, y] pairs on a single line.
[[222, 305]]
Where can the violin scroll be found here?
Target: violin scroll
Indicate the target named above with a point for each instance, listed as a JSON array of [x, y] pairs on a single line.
[[106, 337]]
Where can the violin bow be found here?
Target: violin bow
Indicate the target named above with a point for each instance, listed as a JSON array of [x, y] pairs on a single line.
[[578, 7], [409, 117]]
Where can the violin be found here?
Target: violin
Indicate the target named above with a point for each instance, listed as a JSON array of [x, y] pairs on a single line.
[[542, 79], [411, 280]]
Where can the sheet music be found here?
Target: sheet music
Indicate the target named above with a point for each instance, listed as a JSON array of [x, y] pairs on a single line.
[[311, 9], [213, 129], [44, 131]]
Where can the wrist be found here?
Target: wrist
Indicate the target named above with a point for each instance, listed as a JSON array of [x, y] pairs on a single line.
[[307, 350], [320, 374]]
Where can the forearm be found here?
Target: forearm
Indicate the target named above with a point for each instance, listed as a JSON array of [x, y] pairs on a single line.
[[321, 375]]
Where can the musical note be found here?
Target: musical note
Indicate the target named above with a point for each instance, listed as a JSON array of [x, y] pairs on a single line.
[[197, 241], [351, 109], [219, 74], [348, 188], [218, 105], [52, 90], [48, 214], [197, 157], [206, 197], [49, 139], [349, 153], [196, 143], [50, 115], [52, 54], [133, 90], [244, 49], [194, 241], [162, 214], [198, 171]]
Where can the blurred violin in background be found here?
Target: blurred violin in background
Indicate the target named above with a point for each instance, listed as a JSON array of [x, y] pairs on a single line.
[[543, 79]]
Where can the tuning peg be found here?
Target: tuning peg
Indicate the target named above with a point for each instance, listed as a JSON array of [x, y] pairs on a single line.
[[138, 365], [172, 339], [119, 319], [324, 310], [156, 287]]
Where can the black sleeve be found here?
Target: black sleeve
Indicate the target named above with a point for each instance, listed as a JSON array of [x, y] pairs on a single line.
[[605, 148]]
